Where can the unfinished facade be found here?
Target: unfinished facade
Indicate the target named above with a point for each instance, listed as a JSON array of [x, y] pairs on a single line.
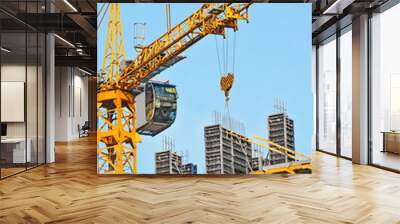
[[281, 131], [168, 162], [226, 152], [189, 169]]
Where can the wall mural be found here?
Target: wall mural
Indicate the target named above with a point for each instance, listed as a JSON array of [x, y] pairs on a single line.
[[229, 57]]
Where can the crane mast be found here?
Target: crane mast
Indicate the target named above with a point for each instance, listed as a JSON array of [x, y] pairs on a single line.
[[116, 133]]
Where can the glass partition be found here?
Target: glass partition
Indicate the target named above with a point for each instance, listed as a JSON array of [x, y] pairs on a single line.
[[22, 77], [346, 93], [13, 94], [327, 95], [385, 89]]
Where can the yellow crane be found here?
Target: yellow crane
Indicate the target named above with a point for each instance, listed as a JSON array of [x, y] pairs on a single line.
[[118, 81]]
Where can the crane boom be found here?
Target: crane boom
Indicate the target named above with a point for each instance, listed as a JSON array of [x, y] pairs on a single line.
[[209, 19], [116, 132]]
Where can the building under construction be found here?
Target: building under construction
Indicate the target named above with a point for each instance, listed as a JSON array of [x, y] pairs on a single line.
[[189, 169], [227, 152], [168, 162], [257, 163], [281, 132]]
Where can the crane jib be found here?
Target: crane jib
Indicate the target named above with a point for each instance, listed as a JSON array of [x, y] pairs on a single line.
[[154, 51]]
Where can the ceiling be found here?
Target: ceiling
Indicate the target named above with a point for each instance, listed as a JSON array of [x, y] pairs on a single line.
[[73, 21], [332, 15]]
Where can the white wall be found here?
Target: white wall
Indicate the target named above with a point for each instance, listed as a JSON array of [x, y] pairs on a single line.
[[15, 73], [33, 126], [80, 110], [71, 102], [11, 73], [62, 82]]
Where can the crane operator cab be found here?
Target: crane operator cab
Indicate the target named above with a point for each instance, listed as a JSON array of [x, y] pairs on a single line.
[[156, 107]]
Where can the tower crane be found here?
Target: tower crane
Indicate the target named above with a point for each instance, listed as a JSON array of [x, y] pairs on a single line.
[[119, 80]]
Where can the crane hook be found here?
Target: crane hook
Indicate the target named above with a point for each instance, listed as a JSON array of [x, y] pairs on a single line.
[[226, 84]]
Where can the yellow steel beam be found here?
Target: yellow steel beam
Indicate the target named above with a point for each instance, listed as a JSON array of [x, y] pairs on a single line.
[[209, 19], [116, 136], [265, 146], [291, 169], [114, 52], [285, 168], [281, 147]]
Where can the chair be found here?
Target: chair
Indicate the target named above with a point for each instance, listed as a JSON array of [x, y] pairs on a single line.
[[84, 130]]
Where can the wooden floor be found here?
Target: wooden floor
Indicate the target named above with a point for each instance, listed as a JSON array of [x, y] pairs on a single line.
[[5, 172], [69, 191], [387, 159]]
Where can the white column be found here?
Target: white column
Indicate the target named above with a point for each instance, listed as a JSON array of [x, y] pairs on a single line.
[[360, 90], [50, 99], [50, 92]]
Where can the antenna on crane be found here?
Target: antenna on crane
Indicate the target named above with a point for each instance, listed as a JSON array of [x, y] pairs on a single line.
[[168, 14]]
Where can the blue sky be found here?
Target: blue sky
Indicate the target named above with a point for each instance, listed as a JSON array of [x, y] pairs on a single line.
[[273, 59]]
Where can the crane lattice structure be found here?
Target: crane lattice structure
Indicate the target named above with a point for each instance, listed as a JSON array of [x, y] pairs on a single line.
[[116, 133]]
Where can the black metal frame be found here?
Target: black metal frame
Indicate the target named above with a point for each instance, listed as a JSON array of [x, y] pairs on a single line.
[[316, 97], [338, 98], [339, 32], [380, 9], [337, 37], [369, 100], [37, 164], [0, 88]]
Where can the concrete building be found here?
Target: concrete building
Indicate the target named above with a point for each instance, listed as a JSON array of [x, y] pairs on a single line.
[[168, 162], [280, 131], [226, 153], [189, 168], [256, 163]]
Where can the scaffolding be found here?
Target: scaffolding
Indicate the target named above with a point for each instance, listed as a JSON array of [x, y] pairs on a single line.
[[225, 153]]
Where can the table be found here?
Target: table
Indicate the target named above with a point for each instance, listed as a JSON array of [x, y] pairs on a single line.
[[391, 141], [13, 150]]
